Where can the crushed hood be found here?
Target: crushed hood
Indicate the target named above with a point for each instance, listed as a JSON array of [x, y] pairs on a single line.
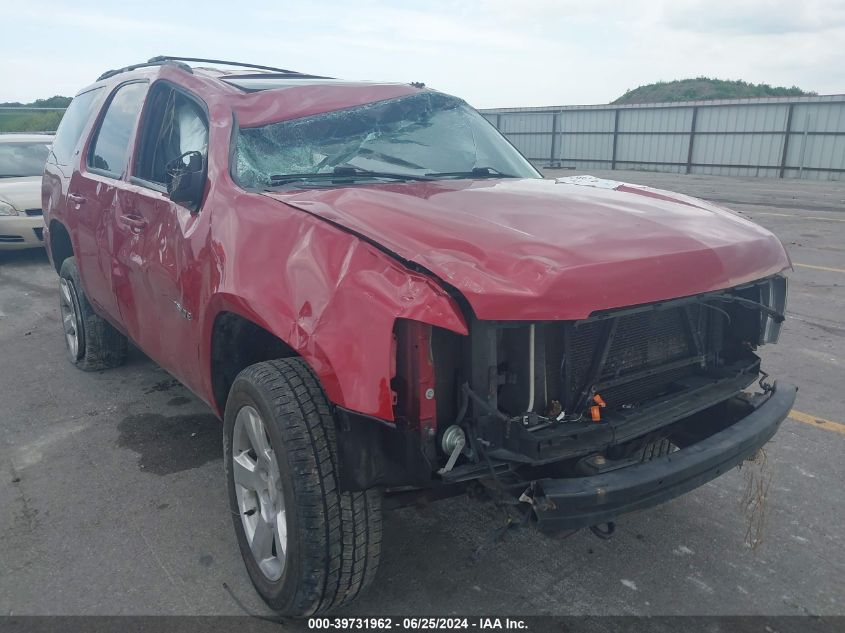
[[546, 249]]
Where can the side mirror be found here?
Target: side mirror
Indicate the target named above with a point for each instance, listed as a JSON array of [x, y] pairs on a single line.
[[185, 178]]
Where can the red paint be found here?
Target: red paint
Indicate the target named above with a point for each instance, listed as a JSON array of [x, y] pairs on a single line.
[[416, 401], [515, 249], [91, 213], [263, 107], [536, 249]]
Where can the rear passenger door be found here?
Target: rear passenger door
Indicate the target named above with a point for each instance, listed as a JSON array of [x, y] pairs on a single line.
[[162, 258], [92, 197], [63, 158]]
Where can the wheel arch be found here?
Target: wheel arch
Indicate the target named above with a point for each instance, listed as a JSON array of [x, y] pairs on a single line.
[[60, 244], [238, 336], [236, 342]]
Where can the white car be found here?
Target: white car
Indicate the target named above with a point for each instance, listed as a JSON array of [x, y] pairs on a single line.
[[22, 158]]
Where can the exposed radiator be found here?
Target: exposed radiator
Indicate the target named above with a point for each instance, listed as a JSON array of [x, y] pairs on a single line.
[[658, 340]]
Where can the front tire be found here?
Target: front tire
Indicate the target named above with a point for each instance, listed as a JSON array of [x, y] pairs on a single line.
[[307, 546], [92, 342]]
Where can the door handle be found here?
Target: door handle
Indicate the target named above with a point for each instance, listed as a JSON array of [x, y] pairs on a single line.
[[135, 222], [76, 198]]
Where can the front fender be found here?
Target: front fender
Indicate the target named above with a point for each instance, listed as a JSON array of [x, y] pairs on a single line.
[[332, 298]]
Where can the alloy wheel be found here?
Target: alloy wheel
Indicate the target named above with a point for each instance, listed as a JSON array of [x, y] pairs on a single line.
[[70, 319], [258, 489]]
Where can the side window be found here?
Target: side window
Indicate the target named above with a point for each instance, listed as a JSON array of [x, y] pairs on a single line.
[[110, 151], [174, 125], [72, 124]]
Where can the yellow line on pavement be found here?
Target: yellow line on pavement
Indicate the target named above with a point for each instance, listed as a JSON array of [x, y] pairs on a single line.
[[821, 423], [816, 217], [827, 268], [798, 215]]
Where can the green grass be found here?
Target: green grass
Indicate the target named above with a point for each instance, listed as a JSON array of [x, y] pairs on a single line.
[[703, 88], [29, 120]]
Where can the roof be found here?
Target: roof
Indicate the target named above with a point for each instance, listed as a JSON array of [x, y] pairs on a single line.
[[248, 77], [268, 81], [260, 94], [26, 138]]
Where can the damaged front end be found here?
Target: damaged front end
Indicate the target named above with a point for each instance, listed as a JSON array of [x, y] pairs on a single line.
[[584, 420]]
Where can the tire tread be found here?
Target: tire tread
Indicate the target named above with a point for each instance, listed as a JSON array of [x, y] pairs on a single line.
[[342, 540], [104, 347]]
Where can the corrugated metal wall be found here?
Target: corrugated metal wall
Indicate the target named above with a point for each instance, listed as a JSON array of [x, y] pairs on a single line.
[[801, 137]]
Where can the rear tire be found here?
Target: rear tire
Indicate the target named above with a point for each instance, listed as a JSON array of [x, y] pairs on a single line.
[[281, 473], [92, 342]]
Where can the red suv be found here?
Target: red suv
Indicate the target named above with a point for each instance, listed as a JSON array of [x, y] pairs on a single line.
[[383, 299]]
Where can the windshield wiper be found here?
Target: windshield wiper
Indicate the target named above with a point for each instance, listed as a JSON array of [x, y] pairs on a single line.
[[475, 172], [341, 173]]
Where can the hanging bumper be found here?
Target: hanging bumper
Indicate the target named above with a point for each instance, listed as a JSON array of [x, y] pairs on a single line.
[[565, 504]]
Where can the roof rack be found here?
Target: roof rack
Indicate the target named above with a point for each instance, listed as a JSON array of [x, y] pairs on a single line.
[[162, 60], [274, 76], [153, 62], [169, 58]]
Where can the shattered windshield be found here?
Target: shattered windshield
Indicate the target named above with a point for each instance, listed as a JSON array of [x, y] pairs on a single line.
[[422, 136]]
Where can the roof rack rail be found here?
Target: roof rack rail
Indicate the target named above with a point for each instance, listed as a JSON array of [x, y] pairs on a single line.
[[171, 58], [152, 62], [274, 76]]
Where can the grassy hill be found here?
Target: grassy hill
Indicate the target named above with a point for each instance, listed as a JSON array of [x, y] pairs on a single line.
[[27, 120], [705, 88]]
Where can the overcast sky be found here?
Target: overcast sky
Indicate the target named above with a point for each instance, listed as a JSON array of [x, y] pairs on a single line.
[[493, 53]]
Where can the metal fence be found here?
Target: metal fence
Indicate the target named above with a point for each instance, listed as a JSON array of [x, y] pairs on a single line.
[[793, 137], [796, 137]]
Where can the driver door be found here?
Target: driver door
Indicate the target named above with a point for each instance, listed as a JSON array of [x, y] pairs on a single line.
[[161, 256]]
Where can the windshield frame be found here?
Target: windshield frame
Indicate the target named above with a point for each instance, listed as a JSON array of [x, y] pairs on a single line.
[[324, 182]]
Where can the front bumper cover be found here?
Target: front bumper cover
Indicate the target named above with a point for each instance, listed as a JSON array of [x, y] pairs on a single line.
[[565, 504], [21, 231]]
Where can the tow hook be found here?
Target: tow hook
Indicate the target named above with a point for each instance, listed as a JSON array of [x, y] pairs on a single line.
[[604, 533]]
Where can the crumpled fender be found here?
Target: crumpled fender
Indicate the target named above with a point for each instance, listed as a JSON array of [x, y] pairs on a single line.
[[325, 292]]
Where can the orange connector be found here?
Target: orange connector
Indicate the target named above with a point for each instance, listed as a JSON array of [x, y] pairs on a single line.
[[595, 410]]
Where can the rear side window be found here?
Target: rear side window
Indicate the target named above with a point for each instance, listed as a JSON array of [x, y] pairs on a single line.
[[110, 151], [73, 122]]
